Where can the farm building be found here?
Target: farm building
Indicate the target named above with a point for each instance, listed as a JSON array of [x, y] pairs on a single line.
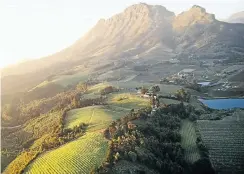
[[204, 83]]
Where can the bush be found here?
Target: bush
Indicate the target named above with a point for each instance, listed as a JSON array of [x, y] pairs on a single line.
[[193, 117], [107, 90], [132, 156]]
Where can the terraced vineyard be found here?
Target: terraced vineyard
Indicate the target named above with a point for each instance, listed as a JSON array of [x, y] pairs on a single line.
[[225, 141], [188, 141], [79, 156]]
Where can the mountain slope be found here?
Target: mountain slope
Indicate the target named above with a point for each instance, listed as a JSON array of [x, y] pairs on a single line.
[[200, 34], [236, 18], [144, 33], [137, 27]]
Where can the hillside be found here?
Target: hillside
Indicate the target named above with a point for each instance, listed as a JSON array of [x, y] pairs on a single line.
[[236, 18], [142, 34]]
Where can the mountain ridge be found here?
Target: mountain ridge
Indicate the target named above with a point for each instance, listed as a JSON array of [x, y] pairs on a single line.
[[146, 33], [236, 18]]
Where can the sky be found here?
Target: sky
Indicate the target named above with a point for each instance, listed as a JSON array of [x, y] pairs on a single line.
[[36, 28]]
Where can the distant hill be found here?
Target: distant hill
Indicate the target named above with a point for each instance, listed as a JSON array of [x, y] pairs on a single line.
[[236, 18], [145, 33]]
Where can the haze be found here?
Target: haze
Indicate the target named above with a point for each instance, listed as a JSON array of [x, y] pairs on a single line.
[[33, 29]]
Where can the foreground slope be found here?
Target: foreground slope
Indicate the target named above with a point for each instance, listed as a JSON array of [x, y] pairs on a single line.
[[224, 140], [79, 156]]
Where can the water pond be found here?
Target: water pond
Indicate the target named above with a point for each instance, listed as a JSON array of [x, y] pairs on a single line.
[[223, 103]]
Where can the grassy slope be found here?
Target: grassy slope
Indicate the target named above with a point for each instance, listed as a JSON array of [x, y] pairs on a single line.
[[65, 80], [128, 101], [93, 115], [33, 129], [79, 156], [188, 141], [94, 91]]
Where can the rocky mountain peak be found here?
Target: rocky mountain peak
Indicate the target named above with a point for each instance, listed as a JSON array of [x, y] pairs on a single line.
[[194, 15], [138, 8]]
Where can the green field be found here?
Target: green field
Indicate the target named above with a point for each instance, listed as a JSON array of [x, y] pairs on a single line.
[[188, 141], [78, 156], [95, 91], [97, 117], [44, 83], [127, 100], [88, 151], [65, 80], [98, 87], [168, 89]]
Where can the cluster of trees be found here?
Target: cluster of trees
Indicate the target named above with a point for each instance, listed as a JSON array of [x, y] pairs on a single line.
[[181, 110], [193, 86], [39, 136], [46, 140], [65, 135], [154, 89], [107, 90], [155, 142], [183, 95], [19, 112]]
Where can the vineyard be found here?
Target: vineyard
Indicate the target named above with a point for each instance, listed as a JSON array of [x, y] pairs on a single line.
[[97, 117], [225, 141], [188, 141], [88, 151], [79, 156]]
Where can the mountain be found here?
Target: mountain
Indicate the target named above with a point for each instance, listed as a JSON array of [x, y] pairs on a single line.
[[142, 33], [200, 34], [130, 32], [236, 18]]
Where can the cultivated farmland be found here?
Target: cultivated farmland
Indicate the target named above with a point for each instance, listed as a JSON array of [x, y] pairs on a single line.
[[188, 141], [79, 156], [225, 141], [90, 150], [97, 117]]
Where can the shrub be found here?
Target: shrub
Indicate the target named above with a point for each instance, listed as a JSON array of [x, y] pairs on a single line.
[[132, 156]]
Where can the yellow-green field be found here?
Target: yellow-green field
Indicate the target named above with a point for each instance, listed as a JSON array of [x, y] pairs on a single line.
[[98, 87], [188, 141], [79, 156], [88, 151], [94, 91], [127, 100], [44, 83], [65, 80], [97, 117]]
